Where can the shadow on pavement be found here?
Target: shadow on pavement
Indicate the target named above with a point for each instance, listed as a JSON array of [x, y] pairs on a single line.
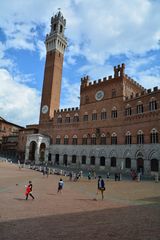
[[128, 223]]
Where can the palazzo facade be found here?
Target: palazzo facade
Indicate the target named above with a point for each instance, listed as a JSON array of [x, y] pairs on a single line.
[[116, 127]]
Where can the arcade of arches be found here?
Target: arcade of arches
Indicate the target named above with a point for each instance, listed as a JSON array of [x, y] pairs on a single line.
[[39, 151], [113, 163]]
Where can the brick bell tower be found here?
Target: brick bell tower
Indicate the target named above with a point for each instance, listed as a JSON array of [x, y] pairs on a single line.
[[55, 46]]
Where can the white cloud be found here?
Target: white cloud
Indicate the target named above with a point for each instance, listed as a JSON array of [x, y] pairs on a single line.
[[41, 48], [96, 71], [144, 70], [96, 30], [106, 28], [19, 103], [148, 81], [4, 61], [71, 93]]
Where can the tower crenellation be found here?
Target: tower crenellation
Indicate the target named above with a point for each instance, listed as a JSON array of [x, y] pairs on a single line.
[[56, 39], [119, 71], [85, 81]]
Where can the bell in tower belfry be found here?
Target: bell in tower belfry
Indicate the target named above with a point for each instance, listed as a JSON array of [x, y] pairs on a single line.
[[55, 46]]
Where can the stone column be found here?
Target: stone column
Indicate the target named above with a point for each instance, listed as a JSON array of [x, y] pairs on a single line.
[[26, 154], [147, 167], [61, 160], [37, 153], [46, 155], [87, 160], [107, 162], [53, 158], [69, 160], [134, 163], [97, 162]]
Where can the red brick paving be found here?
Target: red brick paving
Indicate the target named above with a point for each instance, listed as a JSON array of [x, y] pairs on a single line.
[[131, 210]]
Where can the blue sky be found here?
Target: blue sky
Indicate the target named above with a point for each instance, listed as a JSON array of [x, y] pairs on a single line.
[[101, 34]]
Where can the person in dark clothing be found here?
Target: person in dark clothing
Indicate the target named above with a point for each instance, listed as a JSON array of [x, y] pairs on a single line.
[[101, 186], [60, 186], [29, 190]]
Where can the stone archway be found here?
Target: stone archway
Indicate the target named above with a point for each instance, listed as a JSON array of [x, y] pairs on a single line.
[[154, 165], [140, 165], [154, 162], [140, 162], [42, 152], [32, 151]]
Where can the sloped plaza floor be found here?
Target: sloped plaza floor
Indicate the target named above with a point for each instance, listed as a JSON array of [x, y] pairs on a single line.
[[130, 210]]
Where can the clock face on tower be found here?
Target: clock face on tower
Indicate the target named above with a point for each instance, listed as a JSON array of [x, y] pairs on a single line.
[[99, 95], [44, 109]]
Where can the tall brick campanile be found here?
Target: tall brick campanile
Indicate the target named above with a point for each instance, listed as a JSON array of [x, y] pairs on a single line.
[[55, 46]]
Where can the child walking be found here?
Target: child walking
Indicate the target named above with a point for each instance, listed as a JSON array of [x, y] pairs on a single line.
[[29, 190]]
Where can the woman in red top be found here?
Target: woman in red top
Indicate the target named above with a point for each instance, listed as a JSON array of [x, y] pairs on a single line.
[[29, 190]]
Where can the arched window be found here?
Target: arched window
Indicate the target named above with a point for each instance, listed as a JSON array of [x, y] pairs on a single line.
[[128, 138], [114, 112], [139, 107], [94, 115], [114, 138], [128, 163], [102, 161], [85, 117], [92, 160], [113, 92], [152, 104], [103, 114], [59, 119], [154, 165], [54, 27], [154, 136], [103, 139], [56, 159], [140, 137], [113, 161], [93, 139], [65, 159], [84, 139], [61, 28], [66, 139], [74, 140], [84, 159], [58, 140], [74, 158], [76, 118], [67, 119], [128, 110]]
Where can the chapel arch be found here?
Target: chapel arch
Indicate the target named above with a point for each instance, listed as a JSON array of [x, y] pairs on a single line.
[[32, 151]]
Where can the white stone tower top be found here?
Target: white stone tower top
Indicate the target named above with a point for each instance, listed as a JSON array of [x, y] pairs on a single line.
[[56, 40]]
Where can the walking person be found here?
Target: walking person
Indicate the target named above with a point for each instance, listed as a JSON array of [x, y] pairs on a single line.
[[60, 185], [70, 176], [19, 164], [29, 190], [47, 171], [101, 186]]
